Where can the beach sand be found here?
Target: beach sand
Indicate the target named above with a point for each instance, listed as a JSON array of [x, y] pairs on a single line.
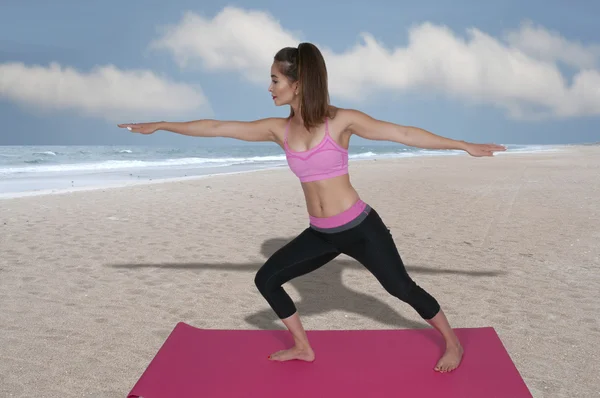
[[92, 283]]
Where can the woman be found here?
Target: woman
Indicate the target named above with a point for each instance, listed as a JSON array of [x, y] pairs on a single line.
[[315, 139]]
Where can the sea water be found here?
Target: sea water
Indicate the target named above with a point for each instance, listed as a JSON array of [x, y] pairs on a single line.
[[31, 170]]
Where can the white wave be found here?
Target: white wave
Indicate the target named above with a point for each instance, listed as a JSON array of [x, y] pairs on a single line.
[[129, 164], [362, 155], [440, 152], [116, 165], [531, 149]]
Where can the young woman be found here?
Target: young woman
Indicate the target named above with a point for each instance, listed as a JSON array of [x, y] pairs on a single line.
[[315, 139]]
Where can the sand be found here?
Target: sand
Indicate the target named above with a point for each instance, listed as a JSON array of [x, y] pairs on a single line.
[[92, 282]]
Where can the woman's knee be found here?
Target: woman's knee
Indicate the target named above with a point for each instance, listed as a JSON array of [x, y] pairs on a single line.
[[263, 279], [260, 279], [402, 288], [418, 298]]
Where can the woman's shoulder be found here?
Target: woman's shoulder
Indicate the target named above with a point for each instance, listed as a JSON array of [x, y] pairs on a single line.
[[337, 112], [342, 116]]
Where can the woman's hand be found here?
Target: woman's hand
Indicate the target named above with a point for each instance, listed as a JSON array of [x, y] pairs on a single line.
[[483, 149], [142, 128]]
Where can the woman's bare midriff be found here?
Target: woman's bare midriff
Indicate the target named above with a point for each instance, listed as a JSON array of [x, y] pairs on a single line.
[[329, 197]]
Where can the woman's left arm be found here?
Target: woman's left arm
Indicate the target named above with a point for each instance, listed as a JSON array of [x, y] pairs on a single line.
[[369, 128]]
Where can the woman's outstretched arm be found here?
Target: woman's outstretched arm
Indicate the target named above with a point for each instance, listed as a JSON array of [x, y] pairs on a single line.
[[257, 130], [367, 127]]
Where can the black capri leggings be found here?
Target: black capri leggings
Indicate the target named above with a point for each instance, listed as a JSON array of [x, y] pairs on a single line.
[[368, 241]]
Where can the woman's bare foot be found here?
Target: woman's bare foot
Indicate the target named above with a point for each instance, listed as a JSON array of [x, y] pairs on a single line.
[[451, 359], [301, 350], [300, 353], [454, 351]]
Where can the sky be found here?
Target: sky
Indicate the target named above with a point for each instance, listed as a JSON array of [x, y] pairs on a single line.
[[508, 72]]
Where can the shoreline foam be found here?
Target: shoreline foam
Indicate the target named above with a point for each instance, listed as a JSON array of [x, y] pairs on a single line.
[[157, 180]]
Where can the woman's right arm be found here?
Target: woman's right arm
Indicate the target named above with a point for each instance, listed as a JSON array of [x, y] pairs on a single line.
[[257, 130]]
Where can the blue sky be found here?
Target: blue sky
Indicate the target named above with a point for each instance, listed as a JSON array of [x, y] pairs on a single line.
[[510, 72]]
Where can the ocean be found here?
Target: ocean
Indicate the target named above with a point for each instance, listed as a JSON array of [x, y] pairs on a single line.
[[33, 170]]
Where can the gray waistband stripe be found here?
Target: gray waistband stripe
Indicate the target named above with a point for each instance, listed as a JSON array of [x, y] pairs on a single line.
[[351, 224]]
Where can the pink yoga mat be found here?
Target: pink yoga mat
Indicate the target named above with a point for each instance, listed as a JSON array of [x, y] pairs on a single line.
[[349, 363]]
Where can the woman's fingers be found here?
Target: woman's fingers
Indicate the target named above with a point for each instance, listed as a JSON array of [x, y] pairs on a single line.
[[131, 126]]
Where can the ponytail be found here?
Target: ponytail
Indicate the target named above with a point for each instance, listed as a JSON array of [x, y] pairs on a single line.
[[314, 94]]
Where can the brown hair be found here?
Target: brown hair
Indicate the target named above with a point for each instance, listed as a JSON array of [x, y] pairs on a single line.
[[306, 65]]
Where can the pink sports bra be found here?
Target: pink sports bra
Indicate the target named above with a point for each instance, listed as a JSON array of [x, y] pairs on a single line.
[[326, 160]]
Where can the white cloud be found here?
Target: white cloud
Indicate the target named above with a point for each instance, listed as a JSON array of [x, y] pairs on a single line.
[[105, 92], [518, 74], [234, 40], [551, 46]]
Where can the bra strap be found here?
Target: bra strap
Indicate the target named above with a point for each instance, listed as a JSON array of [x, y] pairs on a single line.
[[287, 127]]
